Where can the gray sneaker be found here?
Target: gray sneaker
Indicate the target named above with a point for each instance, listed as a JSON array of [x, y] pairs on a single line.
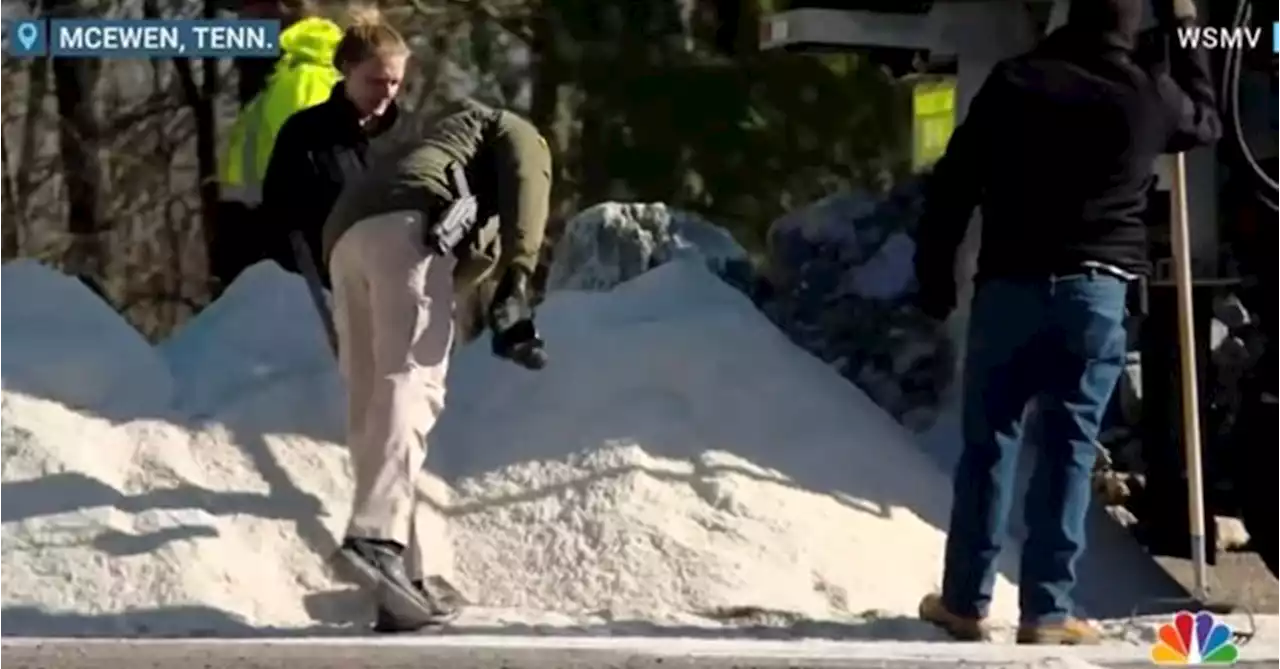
[[380, 566]]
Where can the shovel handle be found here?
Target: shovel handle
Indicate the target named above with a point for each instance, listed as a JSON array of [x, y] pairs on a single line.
[[1181, 233]]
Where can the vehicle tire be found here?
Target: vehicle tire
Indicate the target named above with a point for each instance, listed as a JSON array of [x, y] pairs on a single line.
[[1259, 499]]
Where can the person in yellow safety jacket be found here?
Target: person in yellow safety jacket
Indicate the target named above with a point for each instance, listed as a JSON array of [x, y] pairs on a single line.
[[303, 77]]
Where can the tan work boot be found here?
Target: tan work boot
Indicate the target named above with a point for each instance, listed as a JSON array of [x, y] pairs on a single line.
[[1069, 632], [960, 628]]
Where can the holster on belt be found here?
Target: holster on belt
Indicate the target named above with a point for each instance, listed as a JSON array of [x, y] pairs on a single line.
[[458, 218]]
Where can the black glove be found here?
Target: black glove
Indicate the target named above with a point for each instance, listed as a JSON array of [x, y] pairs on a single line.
[[521, 344], [511, 318]]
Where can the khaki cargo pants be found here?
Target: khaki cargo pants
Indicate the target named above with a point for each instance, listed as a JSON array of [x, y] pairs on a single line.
[[393, 311]]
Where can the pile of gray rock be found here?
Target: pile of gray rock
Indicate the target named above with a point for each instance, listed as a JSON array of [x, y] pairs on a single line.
[[838, 280], [612, 242], [844, 286]]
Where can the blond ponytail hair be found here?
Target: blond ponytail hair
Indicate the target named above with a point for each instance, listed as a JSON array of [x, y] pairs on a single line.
[[367, 35]]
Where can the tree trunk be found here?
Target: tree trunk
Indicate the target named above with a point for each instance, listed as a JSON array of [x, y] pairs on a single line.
[[201, 99], [80, 143], [24, 181], [252, 73], [549, 74], [166, 248], [9, 238], [207, 142]]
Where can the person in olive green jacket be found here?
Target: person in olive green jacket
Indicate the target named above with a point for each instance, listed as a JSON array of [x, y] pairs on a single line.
[[394, 291]]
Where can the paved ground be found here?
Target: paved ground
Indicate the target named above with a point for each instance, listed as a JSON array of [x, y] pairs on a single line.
[[1238, 578], [567, 653]]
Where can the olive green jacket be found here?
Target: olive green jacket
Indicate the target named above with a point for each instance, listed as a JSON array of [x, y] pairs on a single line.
[[508, 168]]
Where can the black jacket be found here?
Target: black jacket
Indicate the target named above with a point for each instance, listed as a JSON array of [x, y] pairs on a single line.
[[317, 151], [1058, 151]]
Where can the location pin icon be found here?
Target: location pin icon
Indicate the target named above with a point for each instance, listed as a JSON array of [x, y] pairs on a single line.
[[27, 35]]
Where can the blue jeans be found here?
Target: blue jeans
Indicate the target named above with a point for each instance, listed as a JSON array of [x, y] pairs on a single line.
[[1062, 341]]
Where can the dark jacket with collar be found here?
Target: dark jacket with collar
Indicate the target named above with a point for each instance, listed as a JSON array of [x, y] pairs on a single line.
[[317, 152], [1058, 152]]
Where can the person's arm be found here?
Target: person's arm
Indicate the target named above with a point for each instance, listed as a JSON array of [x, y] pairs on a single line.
[[1182, 78], [285, 188], [523, 176], [523, 171], [1188, 95], [951, 192]]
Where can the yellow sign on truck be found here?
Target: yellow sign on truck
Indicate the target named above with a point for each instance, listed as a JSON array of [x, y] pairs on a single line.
[[933, 119]]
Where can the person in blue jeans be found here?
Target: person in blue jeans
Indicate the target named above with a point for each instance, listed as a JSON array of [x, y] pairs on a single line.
[[1057, 151]]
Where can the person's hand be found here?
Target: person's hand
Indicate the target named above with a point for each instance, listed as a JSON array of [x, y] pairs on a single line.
[[511, 318], [521, 344], [1183, 10], [1174, 12]]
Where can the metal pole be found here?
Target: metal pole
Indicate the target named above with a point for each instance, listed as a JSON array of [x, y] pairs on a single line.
[[1190, 385]]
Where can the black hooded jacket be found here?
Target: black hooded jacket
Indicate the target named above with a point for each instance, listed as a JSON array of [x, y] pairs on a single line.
[[317, 151], [1058, 151]]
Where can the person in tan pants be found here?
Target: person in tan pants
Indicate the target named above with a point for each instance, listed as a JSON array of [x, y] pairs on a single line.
[[394, 292], [393, 312]]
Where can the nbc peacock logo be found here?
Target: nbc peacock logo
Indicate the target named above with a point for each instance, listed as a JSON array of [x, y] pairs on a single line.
[[1195, 639]]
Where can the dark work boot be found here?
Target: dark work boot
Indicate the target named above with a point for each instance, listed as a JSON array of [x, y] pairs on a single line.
[[446, 600], [380, 567]]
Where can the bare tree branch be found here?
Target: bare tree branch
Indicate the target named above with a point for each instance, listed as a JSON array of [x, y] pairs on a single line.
[[516, 25], [154, 106]]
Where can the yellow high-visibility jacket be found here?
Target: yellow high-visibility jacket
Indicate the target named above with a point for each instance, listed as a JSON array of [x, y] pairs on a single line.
[[304, 77]]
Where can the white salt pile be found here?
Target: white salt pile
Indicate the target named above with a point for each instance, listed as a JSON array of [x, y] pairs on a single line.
[[65, 343], [152, 528], [261, 332], [680, 462]]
